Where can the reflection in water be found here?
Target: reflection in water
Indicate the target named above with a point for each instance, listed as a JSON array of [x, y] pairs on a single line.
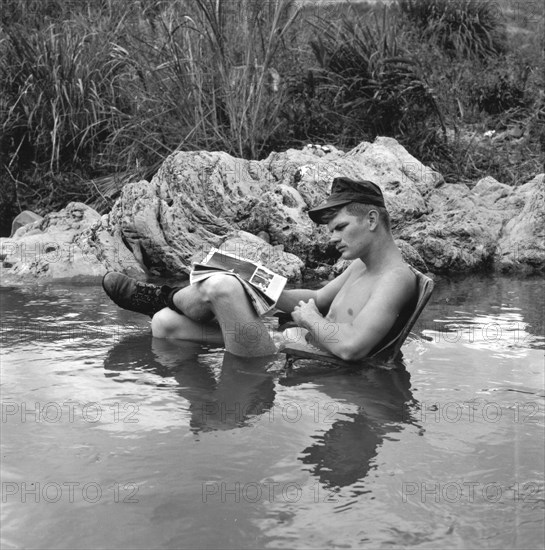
[[343, 455], [220, 398], [198, 418], [241, 389]]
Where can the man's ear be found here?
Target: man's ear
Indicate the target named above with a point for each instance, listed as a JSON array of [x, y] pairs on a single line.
[[372, 218]]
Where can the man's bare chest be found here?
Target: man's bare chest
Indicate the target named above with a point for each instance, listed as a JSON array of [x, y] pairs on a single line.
[[351, 299]]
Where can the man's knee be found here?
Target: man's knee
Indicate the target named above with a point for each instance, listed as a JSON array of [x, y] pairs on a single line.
[[220, 286], [164, 323]]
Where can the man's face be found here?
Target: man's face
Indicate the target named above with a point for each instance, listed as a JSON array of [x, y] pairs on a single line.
[[350, 234]]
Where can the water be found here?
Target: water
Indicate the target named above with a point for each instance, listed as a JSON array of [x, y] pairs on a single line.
[[113, 439]]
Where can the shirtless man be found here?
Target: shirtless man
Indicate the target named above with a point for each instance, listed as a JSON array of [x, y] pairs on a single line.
[[351, 317]]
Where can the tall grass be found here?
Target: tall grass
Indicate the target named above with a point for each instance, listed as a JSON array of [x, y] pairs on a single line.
[[459, 27], [64, 96], [95, 93], [238, 66], [111, 87], [369, 81], [479, 90]]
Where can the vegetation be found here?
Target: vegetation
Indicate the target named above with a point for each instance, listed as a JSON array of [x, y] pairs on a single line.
[[366, 84], [96, 93], [459, 28]]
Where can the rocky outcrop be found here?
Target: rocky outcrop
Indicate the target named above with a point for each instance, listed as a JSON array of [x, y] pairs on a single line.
[[73, 243], [202, 199], [521, 245], [24, 218], [490, 226], [197, 198], [246, 245]]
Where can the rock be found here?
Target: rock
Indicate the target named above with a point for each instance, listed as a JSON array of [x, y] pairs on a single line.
[[64, 245], [320, 150], [411, 256], [246, 245], [409, 253], [22, 219], [460, 232], [516, 132], [329, 272], [190, 204], [522, 242], [491, 226], [264, 236], [199, 200], [491, 190]]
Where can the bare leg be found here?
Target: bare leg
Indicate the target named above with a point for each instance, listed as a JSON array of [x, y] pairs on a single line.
[[169, 324], [243, 332]]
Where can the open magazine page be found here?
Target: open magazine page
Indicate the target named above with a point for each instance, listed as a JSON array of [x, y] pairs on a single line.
[[269, 282], [262, 285], [226, 262], [261, 302]]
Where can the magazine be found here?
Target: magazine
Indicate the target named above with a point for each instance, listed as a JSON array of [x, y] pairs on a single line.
[[262, 285]]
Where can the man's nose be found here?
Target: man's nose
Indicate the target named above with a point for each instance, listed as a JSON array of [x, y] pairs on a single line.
[[334, 238]]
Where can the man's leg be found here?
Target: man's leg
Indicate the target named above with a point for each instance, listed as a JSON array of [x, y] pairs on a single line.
[[222, 296], [169, 324]]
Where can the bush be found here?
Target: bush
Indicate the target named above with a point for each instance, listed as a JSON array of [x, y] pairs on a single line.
[[459, 27], [95, 93], [65, 98], [110, 87], [368, 84], [501, 88]]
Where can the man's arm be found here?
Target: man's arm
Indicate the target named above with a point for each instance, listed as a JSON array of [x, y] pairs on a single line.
[[323, 297], [291, 297], [355, 340]]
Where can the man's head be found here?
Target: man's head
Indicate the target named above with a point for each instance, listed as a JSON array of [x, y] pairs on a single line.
[[357, 197], [359, 210]]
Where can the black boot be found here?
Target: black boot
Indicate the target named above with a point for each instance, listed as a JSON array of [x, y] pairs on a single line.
[[134, 295]]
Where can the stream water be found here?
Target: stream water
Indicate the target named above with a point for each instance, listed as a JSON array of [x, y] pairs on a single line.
[[113, 439]]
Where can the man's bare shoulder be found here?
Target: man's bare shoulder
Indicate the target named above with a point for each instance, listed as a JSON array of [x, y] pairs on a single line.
[[399, 283], [400, 273]]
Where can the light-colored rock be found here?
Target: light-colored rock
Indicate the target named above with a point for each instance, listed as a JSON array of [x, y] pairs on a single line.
[[411, 256], [197, 200], [460, 232], [68, 244], [22, 219], [492, 190], [522, 243], [263, 235], [491, 226], [246, 245]]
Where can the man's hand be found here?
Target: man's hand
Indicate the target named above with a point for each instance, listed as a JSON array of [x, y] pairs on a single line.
[[304, 312]]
